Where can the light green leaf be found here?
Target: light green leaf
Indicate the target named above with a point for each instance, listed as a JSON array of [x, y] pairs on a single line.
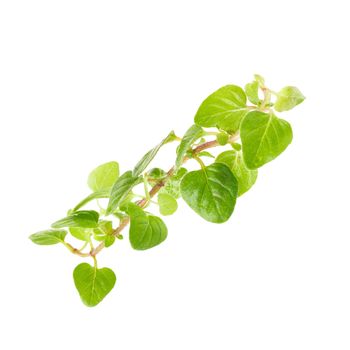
[[172, 186], [259, 79], [109, 240], [148, 157], [48, 237], [167, 204], [252, 92], [121, 189], [93, 284], [82, 234], [205, 154], [264, 137], [146, 231], [222, 138], [225, 109], [211, 192], [191, 135], [104, 230], [244, 176], [83, 218], [103, 177], [90, 197], [288, 98]]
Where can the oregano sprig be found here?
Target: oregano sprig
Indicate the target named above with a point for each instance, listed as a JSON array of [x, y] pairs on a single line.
[[242, 121]]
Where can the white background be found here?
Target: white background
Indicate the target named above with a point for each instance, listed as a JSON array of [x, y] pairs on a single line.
[[85, 82]]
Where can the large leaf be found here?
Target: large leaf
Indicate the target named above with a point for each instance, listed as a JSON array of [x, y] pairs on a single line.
[[288, 98], [167, 204], [146, 231], [148, 157], [48, 237], [245, 177], [224, 108], [211, 192], [264, 137], [121, 189], [93, 284], [82, 218], [103, 177], [191, 135]]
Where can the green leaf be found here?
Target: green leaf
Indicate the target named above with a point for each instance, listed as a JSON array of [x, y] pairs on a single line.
[[146, 231], [259, 79], [104, 232], [82, 234], [148, 157], [90, 197], [225, 109], [191, 135], [211, 192], [205, 154], [156, 174], [252, 92], [83, 218], [222, 138], [245, 177], [109, 240], [167, 204], [103, 177], [93, 284], [288, 98], [264, 137], [48, 237], [172, 186], [121, 189]]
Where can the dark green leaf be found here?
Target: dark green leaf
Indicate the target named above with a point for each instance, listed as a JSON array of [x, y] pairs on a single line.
[[288, 98], [191, 135], [146, 231], [225, 109], [83, 218], [264, 137], [121, 189], [245, 177], [103, 177], [93, 284], [167, 204], [211, 192], [48, 237], [148, 157]]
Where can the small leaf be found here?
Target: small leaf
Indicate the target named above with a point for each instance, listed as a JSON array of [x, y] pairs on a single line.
[[148, 157], [264, 137], [245, 177], [225, 109], [211, 192], [90, 197], [222, 138], [156, 174], [103, 177], [191, 135], [83, 234], [121, 189], [146, 231], [167, 204], [104, 229], [205, 154], [83, 218], [109, 241], [93, 284], [259, 79], [48, 237], [252, 92], [288, 98], [172, 186]]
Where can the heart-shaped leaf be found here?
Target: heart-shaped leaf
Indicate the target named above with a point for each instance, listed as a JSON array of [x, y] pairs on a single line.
[[167, 204], [93, 284], [146, 231], [224, 108], [264, 137], [211, 192]]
